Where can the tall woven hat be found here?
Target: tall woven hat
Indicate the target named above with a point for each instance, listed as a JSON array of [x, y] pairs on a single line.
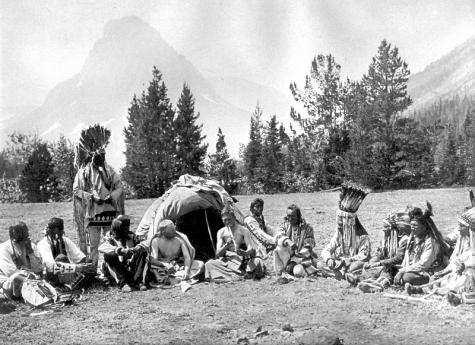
[[93, 140], [351, 196]]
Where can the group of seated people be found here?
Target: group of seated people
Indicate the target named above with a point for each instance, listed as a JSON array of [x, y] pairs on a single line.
[[413, 254]]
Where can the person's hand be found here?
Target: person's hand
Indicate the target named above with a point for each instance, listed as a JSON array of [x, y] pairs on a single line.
[[86, 268], [186, 275], [368, 265], [398, 277], [229, 243], [434, 277], [95, 197], [128, 252], [347, 261], [459, 267], [135, 249], [122, 251], [250, 253], [108, 199], [331, 263]]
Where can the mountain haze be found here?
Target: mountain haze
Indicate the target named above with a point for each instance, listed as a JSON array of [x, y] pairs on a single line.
[[120, 65], [452, 74]]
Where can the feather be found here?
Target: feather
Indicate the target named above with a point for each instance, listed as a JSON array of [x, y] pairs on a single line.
[[428, 212], [92, 140]]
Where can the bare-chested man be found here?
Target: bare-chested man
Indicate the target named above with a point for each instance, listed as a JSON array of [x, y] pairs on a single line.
[[172, 255], [237, 253]]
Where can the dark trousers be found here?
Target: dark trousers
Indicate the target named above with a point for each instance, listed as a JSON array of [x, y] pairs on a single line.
[[125, 271], [414, 278]]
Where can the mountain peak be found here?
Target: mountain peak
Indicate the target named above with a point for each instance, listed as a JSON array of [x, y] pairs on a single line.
[[126, 26]]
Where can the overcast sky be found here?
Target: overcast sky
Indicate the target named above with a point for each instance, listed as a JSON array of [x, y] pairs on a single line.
[[45, 42]]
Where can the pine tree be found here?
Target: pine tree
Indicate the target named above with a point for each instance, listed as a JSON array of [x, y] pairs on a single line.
[[18, 149], [386, 85], [190, 148], [414, 159], [150, 141], [222, 167], [272, 158], [469, 146], [63, 161], [253, 151], [451, 166], [37, 180], [321, 97], [285, 144], [361, 135]]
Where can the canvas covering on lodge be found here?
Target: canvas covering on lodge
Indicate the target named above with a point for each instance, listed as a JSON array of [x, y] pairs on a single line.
[[190, 195]]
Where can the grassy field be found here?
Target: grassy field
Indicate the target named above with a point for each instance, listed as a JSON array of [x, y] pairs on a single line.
[[318, 310]]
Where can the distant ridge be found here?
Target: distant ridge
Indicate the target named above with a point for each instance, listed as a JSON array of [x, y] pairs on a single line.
[[452, 74]]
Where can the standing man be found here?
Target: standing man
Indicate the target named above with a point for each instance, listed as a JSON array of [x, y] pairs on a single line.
[[98, 195]]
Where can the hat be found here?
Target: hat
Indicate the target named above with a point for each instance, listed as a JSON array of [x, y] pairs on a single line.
[[55, 223], [351, 196]]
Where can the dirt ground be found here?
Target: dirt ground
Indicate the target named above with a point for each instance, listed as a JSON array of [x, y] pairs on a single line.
[[319, 311]]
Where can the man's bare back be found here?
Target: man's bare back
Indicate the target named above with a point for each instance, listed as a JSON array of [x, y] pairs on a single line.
[[165, 249]]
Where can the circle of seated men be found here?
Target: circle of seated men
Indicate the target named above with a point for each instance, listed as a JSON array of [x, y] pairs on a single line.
[[413, 254]]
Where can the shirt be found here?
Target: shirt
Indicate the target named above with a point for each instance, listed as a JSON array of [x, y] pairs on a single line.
[[421, 253], [360, 250], [7, 263], [301, 235], [74, 254]]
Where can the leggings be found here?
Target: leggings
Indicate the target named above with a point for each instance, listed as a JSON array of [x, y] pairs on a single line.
[[414, 278]]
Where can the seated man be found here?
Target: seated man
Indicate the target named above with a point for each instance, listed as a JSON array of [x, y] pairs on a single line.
[[124, 258], [383, 266], [452, 279], [295, 244], [17, 261], [237, 253], [172, 255], [256, 208], [62, 259], [423, 250], [350, 246]]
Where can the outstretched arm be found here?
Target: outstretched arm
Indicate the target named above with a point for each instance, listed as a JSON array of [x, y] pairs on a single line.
[[329, 250], [187, 257]]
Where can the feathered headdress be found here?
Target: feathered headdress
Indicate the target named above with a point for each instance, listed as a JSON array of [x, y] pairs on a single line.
[[92, 140], [351, 196]]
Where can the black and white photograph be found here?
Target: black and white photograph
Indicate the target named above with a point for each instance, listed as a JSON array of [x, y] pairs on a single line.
[[237, 172]]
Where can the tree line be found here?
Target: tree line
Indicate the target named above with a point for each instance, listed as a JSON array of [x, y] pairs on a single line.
[[359, 130], [33, 170], [363, 131]]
